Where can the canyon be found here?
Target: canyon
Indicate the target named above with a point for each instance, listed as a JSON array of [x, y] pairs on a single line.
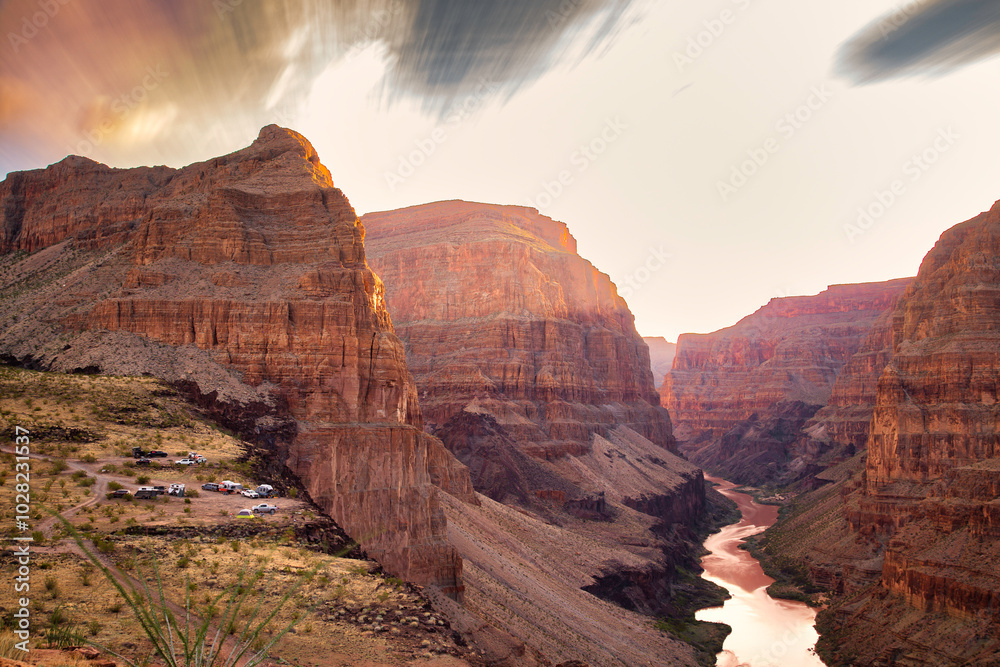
[[661, 357], [530, 370], [245, 278], [780, 394], [902, 535], [502, 445]]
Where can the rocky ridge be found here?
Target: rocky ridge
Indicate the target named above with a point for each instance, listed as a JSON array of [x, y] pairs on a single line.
[[245, 276], [768, 398], [905, 533]]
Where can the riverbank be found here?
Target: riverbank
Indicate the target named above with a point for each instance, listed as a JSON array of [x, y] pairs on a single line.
[[765, 630]]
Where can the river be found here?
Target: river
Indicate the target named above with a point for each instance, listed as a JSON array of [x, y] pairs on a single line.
[[766, 632]]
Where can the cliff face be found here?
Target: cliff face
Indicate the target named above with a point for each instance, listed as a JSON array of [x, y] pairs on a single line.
[[909, 533], [245, 275], [791, 351], [661, 357], [500, 315], [530, 370]]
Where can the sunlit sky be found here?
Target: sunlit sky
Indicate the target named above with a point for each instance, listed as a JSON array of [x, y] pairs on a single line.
[[598, 113]]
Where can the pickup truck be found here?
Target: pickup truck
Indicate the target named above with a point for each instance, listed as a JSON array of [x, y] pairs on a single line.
[[264, 507]]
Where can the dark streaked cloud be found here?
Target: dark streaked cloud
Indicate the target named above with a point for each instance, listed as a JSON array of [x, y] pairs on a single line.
[[79, 81], [923, 37]]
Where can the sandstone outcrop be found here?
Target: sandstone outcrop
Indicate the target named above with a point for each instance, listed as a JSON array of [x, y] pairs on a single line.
[[791, 351], [246, 276], [499, 314]]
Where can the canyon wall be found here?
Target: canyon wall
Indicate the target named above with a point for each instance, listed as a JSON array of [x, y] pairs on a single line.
[[530, 370], [757, 388], [661, 357], [906, 532], [499, 314], [246, 276]]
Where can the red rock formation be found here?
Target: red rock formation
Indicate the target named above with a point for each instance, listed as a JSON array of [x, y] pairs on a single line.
[[257, 260], [661, 357], [921, 517], [790, 351], [499, 314]]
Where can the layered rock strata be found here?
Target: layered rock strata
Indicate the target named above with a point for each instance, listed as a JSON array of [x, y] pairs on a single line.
[[908, 533], [500, 315], [793, 351], [246, 276]]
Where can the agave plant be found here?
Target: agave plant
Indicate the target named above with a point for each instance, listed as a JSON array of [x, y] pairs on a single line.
[[192, 641]]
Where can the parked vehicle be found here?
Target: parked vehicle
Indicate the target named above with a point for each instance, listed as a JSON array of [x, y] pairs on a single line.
[[245, 514], [143, 462], [176, 490], [157, 454], [195, 456], [265, 491], [265, 508], [137, 453], [146, 493], [250, 493], [120, 493], [210, 486], [184, 462], [231, 487]]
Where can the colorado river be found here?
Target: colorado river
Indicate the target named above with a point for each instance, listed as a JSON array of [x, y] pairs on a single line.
[[766, 632]]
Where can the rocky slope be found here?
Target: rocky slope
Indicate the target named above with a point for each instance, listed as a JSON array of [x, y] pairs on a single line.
[[752, 388], [661, 357], [244, 279], [908, 533], [531, 372]]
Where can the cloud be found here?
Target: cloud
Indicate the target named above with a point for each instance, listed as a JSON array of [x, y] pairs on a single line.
[[252, 63], [922, 37]]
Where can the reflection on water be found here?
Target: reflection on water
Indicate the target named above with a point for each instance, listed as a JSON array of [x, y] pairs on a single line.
[[766, 632]]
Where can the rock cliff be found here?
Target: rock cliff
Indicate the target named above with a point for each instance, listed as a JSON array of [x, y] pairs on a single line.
[[246, 276], [661, 357], [906, 533], [531, 372], [499, 314], [793, 351]]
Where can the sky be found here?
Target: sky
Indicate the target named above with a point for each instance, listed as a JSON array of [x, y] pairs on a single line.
[[707, 156]]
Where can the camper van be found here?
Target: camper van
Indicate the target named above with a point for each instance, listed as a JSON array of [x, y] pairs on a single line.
[[176, 490], [230, 487], [265, 490], [147, 493]]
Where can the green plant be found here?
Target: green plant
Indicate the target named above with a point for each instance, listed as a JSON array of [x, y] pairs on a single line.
[[94, 627], [114, 486], [88, 458], [52, 586], [191, 641], [142, 479]]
